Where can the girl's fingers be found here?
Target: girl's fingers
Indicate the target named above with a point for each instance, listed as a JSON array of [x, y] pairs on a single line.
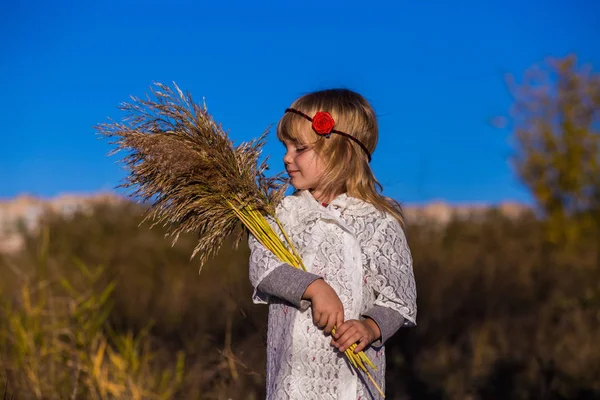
[[330, 324], [354, 338], [349, 333], [347, 337], [339, 320], [316, 318], [361, 345], [322, 321], [342, 328], [342, 332]]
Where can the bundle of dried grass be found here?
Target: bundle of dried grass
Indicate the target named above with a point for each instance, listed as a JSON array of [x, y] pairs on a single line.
[[183, 163]]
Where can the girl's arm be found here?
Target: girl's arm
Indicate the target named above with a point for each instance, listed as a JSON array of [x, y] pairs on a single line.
[[269, 276], [387, 320], [394, 284]]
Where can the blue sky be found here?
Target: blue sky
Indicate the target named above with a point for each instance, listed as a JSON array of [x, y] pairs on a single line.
[[434, 73]]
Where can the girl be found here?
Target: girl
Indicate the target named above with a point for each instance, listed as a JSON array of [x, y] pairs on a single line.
[[360, 277]]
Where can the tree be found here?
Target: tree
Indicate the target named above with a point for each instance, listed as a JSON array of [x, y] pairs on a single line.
[[556, 128]]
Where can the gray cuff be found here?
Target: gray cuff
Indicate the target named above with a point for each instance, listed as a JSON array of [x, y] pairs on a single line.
[[388, 320], [288, 283]]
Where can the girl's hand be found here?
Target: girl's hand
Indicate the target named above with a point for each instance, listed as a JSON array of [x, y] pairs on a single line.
[[327, 308], [353, 331]]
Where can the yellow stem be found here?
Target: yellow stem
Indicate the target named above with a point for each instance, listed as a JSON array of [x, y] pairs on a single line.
[[290, 243], [351, 358], [367, 360], [376, 385]]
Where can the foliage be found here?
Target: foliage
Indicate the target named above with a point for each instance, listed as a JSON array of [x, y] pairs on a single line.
[[556, 118], [158, 301], [55, 343], [502, 312]]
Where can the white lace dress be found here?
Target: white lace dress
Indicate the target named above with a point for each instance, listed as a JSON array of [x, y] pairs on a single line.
[[363, 254]]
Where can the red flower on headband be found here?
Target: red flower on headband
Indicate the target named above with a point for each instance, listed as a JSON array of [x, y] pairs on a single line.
[[323, 123]]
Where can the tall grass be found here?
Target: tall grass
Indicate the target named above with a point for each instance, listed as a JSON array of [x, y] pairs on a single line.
[[502, 315], [55, 342]]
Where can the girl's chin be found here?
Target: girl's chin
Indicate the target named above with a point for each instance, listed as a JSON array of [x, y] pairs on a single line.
[[297, 186]]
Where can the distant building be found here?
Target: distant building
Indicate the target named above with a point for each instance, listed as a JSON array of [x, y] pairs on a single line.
[[25, 212], [442, 213]]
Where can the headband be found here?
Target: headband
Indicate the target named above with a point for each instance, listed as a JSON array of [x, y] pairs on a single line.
[[323, 123]]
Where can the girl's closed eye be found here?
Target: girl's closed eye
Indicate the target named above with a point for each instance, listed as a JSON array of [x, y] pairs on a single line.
[[297, 147]]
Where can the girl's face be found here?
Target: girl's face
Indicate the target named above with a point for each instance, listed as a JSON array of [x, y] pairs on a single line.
[[303, 165]]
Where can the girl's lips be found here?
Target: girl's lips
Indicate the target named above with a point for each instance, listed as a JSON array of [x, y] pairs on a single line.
[[291, 172]]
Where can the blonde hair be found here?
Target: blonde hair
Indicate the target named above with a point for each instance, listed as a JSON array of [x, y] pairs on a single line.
[[347, 167]]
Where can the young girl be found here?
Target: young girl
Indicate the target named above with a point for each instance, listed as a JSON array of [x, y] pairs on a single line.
[[360, 277]]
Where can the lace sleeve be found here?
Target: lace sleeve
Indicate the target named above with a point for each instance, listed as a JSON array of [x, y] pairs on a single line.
[[262, 263], [394, 284]]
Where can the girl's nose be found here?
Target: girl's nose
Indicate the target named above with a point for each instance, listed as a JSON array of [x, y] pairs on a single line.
[[287, 158]]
